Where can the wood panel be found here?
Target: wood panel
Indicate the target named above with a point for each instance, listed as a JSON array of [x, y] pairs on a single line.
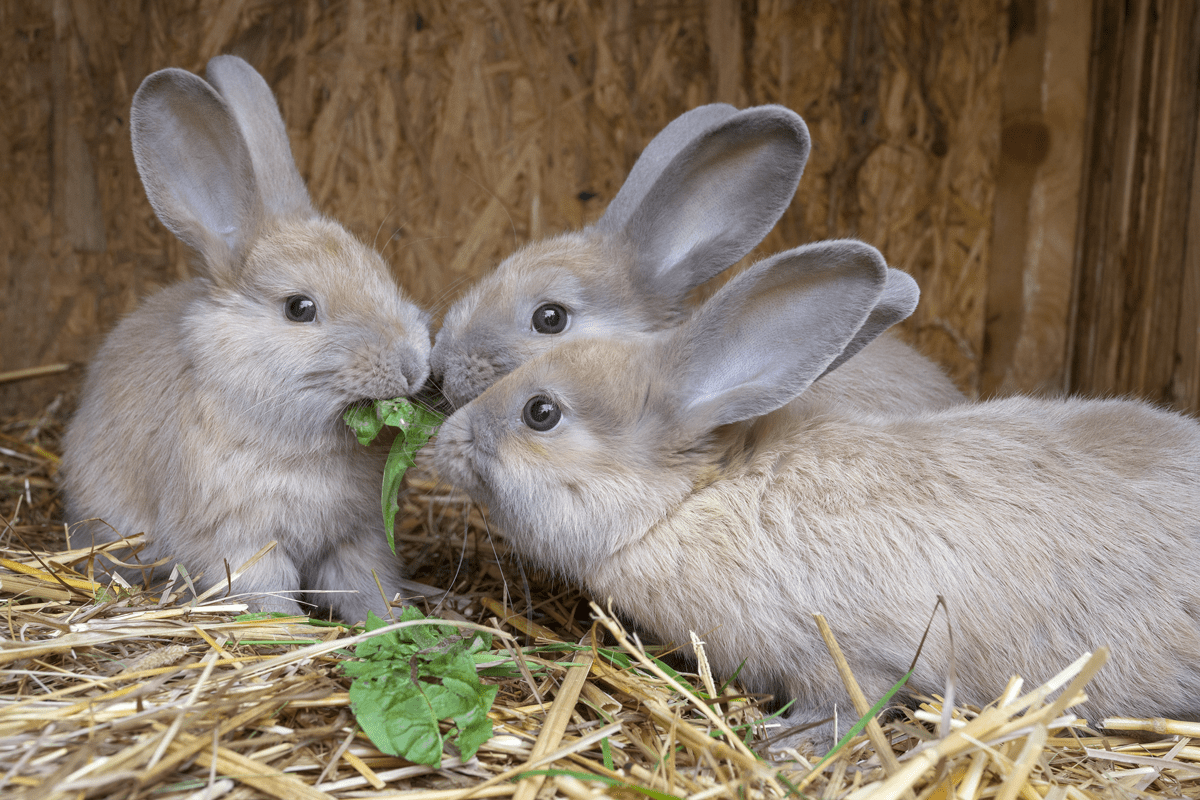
[[1135, 314], [904, 103]]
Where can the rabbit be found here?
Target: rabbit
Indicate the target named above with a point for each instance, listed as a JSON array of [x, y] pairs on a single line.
[[210, 418], [676, 475], [704, 192]]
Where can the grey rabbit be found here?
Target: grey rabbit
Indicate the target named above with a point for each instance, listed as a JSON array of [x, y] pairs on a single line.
[[210, 419], [684, 475], [703, 193]]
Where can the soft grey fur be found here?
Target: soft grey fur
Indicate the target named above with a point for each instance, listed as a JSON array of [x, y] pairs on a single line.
[[209, 420], [703, 193], [685, 482]]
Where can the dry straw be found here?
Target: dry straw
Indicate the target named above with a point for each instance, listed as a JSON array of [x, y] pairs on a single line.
[[138, 695]]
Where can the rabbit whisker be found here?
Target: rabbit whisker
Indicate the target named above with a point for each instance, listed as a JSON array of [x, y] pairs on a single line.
[[442, 300], [382, 222], [411, 242]]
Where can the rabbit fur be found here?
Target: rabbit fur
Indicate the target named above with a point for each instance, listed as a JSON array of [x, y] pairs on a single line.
[[210, 419], [704, 192], [684, 482]]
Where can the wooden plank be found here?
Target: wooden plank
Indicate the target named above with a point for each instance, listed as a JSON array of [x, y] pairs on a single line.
[[1186, 379], [1132, 266]]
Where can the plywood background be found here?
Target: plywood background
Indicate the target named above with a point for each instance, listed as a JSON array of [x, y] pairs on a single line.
[[952, 135], [1136, 321]]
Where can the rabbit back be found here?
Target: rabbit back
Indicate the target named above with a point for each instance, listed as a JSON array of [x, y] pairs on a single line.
[[1046, 541], [889, 375], [682, 475]]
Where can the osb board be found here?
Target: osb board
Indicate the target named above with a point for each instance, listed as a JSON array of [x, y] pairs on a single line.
[[450, 132], [903, 102], [1137, 299]]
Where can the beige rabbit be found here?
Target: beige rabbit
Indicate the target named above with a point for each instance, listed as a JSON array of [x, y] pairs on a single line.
[[705, 191], [211, 417], [683, 475]]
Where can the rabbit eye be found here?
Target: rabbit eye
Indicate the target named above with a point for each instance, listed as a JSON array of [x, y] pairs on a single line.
[[550, 318], [300, 308], [541, 413]]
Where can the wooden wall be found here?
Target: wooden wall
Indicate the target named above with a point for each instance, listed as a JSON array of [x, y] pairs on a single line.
[[961, 138], [1136, 322]]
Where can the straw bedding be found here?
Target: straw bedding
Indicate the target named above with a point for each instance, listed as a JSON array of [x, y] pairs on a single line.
[[110, 692]]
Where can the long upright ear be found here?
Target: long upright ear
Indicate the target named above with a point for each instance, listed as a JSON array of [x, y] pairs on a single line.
[[679, 133], [899, 300], [765, 336], [195, 166], [253, 106], [713, 201]]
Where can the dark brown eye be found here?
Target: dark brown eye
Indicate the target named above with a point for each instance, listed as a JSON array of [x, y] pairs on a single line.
[[300, 308], [550, 318], [541, 413]]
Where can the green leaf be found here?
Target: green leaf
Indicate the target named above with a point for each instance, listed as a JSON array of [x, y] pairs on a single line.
[[471, 720], [404, 414], [408, 682], [606, 754], [414, 424], [398, 461], [415, 736], [364, 421]]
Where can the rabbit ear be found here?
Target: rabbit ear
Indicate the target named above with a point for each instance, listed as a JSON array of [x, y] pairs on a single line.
[[253, 106], [195, 166], [713, 201], [899, 300], [679, 133], [765, 336]]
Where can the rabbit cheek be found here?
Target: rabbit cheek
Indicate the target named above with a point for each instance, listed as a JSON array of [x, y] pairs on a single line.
[[547, 506]]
